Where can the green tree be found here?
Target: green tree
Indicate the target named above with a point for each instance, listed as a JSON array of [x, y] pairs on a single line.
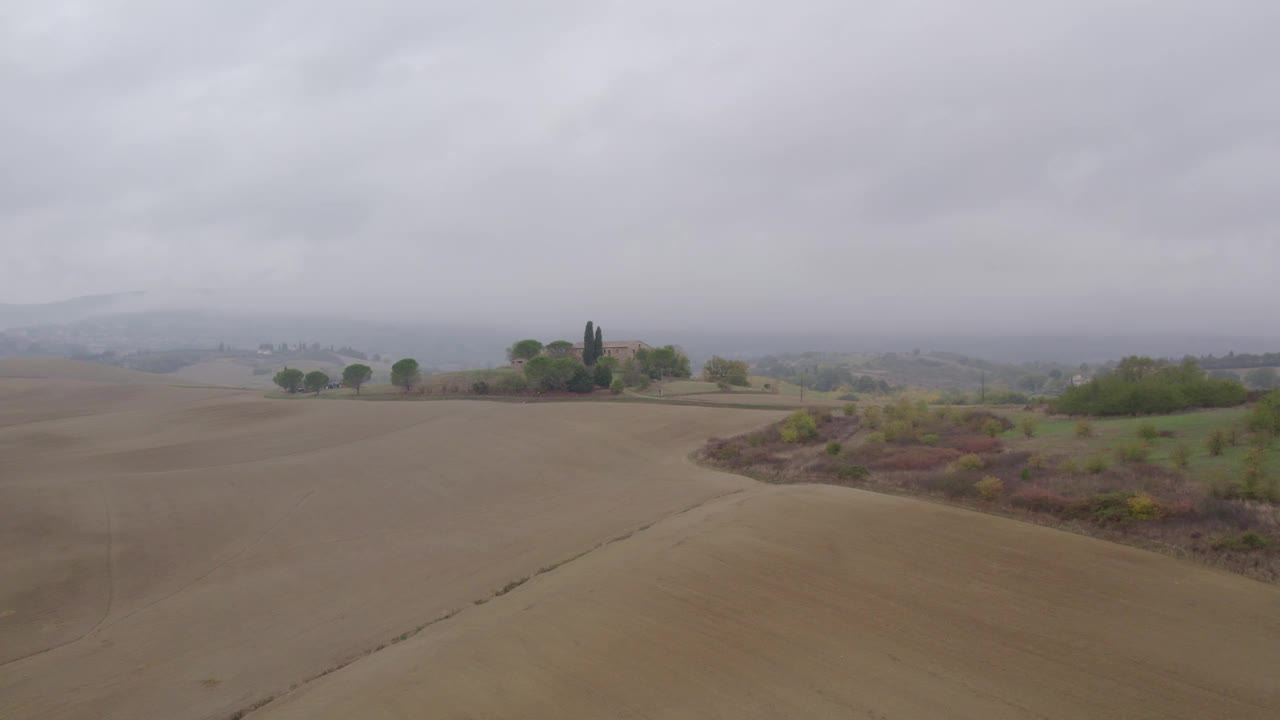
[[719, 369], [289, 379], [633, 373], [356, 375], [315, 381], [581, 381], [602, 375], [524, 350], [589, 345], [550, 374], [663, 362], [1266, 416], [559, 348], [1262, 378], [405, 373], [598, 352], [1143, 386], [616, 386]]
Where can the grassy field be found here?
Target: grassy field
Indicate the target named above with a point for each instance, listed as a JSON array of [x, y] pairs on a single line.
[[1057, 436]]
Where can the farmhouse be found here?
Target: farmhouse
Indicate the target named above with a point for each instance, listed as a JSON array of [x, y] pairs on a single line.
[[622, 350]]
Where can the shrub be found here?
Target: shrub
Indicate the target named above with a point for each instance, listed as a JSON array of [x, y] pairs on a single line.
[[1084, 429], [914, 458], [872, 417], [1216, 443], [1181, 456], [1133, 452], [1040, 500], [968, 463], [1265, 418], [1232, 435], [989, 488], [992, 428], [511, 384], [1028, 426], [1245, 541], [602, 374], [834, 448], [581, 381], [1251, 485], [616, 386], [1025, 475], [852, 472], [1095, 465], [1105, 507], [1148, 431], [876, 438], [479, 387], [1143, 507], [725, 452], [897, 430], [851, 410], [798, 427], [1035, 462], [929, 439], [952, 486], [1071, 467], [978, 445]]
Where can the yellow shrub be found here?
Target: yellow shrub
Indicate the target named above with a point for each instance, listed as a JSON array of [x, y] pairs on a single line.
[[967, 462], [989, 487], [1143, 507]]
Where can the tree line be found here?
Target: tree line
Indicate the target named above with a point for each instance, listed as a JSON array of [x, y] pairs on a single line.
[[355, 376], [1143, 386]]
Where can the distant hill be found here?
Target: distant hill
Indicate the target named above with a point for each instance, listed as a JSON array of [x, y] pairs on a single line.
[[929, 370], [63, 311]]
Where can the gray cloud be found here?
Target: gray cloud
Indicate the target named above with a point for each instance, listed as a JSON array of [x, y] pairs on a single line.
[[926, 166]]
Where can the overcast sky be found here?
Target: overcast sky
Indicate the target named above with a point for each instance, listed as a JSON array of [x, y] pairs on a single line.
[[925, 165]]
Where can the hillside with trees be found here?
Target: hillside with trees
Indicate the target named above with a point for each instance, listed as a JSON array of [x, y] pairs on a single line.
[[1145, 386], [882, 373]]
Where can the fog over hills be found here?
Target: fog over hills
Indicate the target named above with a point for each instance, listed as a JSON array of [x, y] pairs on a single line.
[[134, 321]]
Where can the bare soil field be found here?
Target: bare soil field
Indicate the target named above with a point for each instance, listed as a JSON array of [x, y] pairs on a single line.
[[173, 552], [826, 602]]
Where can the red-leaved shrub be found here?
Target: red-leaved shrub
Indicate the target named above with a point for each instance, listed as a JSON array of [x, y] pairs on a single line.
[[1041, 500], [980, 445], [913, 458]]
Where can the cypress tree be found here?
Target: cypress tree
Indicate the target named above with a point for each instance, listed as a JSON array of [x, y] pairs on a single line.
[[589, 345], [598, 350]]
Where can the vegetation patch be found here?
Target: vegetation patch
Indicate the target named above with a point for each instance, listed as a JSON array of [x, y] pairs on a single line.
[[1143, 386], [1117, 479]]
